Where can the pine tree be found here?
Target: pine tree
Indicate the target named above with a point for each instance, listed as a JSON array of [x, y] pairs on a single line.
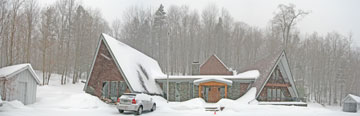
[[159, 34]]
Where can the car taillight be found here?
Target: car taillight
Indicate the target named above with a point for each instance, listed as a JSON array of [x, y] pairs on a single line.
[[118, 100], [133, 101]]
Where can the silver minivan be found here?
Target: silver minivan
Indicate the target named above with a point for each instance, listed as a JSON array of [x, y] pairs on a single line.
[[137, 102]]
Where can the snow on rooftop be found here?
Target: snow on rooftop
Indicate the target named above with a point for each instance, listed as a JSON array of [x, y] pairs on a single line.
[[249, 74], [138, 68], [6, 71], [252, 75], [356, 98], [10, 71], [222, 80]]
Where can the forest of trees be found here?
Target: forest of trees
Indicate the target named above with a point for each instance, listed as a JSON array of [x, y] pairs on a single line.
[[62, 37], [59, 38]]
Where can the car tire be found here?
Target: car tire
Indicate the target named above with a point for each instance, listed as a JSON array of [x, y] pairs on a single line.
[[153, 108], [139, 111], [121, 111]]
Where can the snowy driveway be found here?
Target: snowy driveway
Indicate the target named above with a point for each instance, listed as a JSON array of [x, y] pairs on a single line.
[[70, 100]]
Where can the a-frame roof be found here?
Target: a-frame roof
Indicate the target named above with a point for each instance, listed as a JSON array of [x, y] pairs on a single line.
[[267, 66], [138, 69]]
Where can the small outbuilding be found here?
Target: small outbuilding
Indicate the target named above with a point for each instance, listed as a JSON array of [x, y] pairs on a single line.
[[18, 82], [351, 103]]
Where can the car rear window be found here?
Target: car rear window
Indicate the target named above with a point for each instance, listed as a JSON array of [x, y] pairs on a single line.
[[128, 96]]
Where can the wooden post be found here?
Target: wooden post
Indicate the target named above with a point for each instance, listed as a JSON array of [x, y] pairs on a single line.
[[199, 91], [226, 86]]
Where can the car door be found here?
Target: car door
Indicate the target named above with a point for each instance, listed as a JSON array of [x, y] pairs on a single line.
[[144, 101], [148, 102]]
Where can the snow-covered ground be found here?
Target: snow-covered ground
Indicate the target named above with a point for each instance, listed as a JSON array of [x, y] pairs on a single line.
[[70, 100]]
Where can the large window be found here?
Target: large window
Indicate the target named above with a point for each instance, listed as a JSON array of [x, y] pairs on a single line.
[[275, 94], [113, 89]]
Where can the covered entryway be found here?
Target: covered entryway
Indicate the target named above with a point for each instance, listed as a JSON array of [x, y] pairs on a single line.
[[212, 90]]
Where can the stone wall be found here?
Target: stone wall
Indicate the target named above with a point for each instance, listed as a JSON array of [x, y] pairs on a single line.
[[237, 89], [188, 90]]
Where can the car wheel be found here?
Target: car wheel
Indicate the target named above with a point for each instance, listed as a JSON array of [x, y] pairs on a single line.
[[139, 110], [121, 111], [153, 107]]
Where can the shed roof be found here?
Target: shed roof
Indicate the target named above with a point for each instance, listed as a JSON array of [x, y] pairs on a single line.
[[11, 71], [354, 97]]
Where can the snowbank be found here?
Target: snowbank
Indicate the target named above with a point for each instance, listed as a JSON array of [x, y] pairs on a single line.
[[13, 105]]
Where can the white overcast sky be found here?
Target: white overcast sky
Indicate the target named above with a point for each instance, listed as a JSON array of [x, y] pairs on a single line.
[[342, 16]]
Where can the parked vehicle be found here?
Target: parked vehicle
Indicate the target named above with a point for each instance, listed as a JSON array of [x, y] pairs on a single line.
[[137, 102], [1, 103]]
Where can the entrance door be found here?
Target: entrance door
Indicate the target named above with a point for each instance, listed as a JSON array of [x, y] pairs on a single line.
[[22, 92], [214, 94]]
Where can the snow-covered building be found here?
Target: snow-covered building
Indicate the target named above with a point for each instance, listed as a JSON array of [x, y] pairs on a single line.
[[275, 82], [213, 82], [119, 68], [18, 82], [351, 103]]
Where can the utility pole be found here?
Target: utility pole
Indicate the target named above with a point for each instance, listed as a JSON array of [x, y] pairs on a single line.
[[167, 66]]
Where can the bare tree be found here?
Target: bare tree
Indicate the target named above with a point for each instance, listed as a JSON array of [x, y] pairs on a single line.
[[286, 19]]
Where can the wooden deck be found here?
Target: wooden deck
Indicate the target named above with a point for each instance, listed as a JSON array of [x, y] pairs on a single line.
[[284, 103]]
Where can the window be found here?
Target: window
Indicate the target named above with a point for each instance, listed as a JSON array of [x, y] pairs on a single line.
[[273, 94], [268, 94], [278, 92], [105, 88], [113, 88]]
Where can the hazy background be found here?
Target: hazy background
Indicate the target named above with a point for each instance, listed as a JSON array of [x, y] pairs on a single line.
[[326, 15]]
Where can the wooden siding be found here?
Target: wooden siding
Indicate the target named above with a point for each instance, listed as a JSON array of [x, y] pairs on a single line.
[[21, 87], [104, 70]]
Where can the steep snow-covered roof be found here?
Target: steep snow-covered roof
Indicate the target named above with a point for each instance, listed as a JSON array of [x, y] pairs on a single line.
[[222, 80], [250, 75], [138, 68], [266, 66], [10, 71]]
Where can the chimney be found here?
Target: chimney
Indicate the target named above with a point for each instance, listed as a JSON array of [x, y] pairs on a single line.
[[195, 68]]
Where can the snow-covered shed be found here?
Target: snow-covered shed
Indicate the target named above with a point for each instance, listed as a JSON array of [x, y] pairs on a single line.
[[18, 82], [118, 68], [351, 103]]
